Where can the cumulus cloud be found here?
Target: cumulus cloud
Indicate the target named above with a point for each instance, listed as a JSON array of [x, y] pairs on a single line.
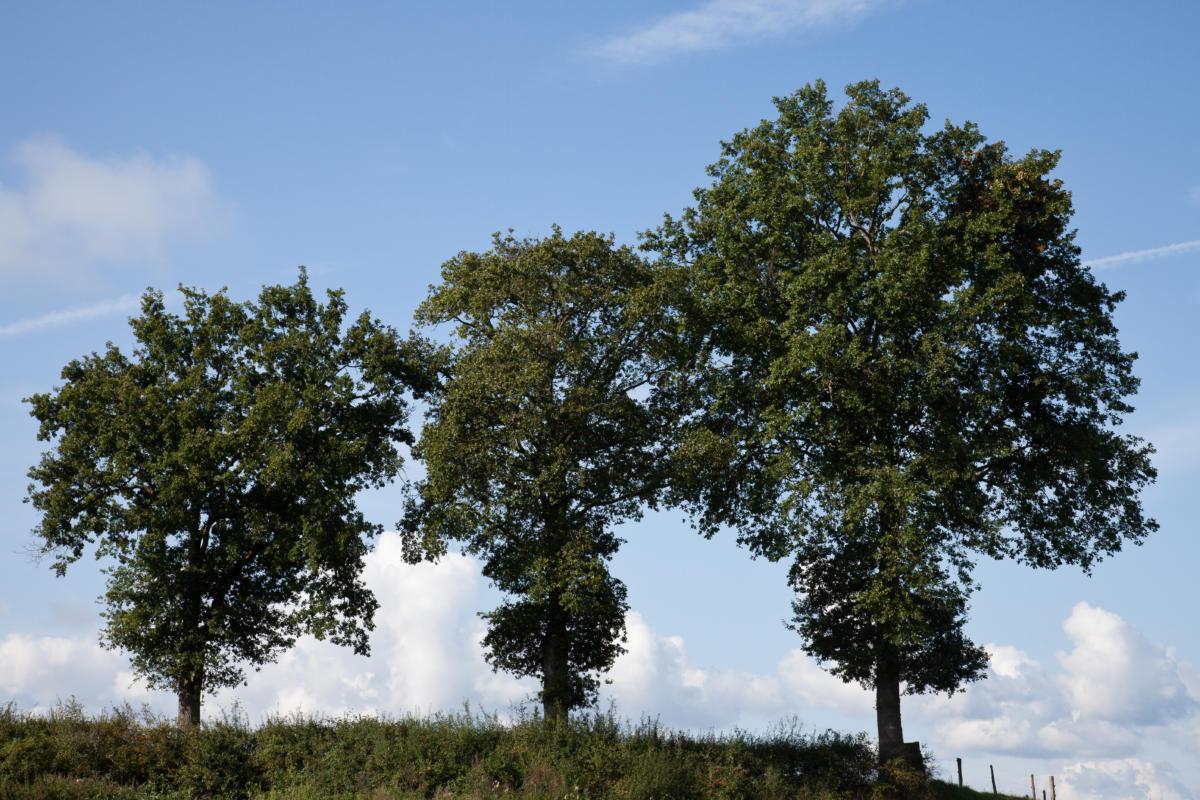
[[71, 214], [719, 24], [426, 652], [1011, 712], [1114, 674], [655, 677], [1065, 737], [1094, 709], [1121, 778], [815, 687], [38, 671], [426, 655], [1111, 689]]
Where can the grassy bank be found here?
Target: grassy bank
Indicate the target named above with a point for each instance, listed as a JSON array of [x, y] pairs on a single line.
[[120, 754]]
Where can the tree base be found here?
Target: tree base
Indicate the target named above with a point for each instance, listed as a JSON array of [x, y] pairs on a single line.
[[912, 755], [908, 753]]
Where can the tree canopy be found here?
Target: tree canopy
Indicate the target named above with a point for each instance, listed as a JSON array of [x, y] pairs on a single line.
[[898, 365], [216, 468], [542, 438]]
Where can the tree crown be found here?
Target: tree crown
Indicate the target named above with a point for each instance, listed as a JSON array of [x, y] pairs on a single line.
[[217, 465], [898, 364], [541, 437]]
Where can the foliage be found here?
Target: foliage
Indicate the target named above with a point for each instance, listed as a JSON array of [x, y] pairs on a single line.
[[216, 467], [462, 755], [540, 440], [898, 365]]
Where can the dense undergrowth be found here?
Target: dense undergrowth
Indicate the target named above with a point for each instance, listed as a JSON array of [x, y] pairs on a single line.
[[129, 756]]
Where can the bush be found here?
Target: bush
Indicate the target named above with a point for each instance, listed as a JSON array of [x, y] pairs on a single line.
[[122, 754], [218, 761], [27, 757]]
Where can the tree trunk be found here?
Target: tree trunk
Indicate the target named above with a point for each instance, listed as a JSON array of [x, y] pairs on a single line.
[[887, 702], [189, 702], [556, 679], [191, 649]]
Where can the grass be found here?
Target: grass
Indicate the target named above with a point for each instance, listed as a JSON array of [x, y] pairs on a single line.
[[950, 791], [130, 756]]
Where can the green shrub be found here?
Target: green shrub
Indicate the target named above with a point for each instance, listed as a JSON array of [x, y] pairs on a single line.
[[657, 773], [60, 788], [218, 762], [24, 758], [465, 755]]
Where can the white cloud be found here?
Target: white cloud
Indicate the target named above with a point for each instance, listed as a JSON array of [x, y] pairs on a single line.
[[717, 24], [1134, 256], [656, 678], [1114, 674], [37, 671], [425, 651], [816, 687], [73, 214], [1008, 662], [1012, 711], [426, 655], [1121, 778], [55, 319], [1109, 700], [1066, 737], [1002, 734], [1113, 692]]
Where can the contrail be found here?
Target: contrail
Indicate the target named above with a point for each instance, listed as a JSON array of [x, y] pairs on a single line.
[[126, 302], [1143, 255]]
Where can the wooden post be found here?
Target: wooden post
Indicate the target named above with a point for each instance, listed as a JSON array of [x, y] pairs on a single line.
[[1052, 795], [1032, 787], [992, 770], [959, 760]]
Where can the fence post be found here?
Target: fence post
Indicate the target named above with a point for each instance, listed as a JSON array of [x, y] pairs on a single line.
[[1052, 795], [992, 770], [959, 760], [1032, 787]]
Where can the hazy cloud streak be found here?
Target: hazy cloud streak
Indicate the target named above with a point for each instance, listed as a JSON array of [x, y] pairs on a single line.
[[719, 24], [1143, 255], [55, 319]]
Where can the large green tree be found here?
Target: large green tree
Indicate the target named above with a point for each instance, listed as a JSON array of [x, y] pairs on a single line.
[[216, 469], [898, 366], [540, 439]]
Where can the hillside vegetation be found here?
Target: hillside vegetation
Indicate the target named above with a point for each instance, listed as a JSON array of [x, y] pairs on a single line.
[[125, 755]]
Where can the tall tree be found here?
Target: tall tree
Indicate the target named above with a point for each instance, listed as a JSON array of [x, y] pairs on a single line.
[[540, 440], [899, 366], [216, 467]]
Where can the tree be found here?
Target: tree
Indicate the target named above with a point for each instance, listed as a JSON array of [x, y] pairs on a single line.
[[540, 440], [216, 468], [898, 366]]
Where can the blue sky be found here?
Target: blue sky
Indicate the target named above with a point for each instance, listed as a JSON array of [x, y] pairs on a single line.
[[222, 145]]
